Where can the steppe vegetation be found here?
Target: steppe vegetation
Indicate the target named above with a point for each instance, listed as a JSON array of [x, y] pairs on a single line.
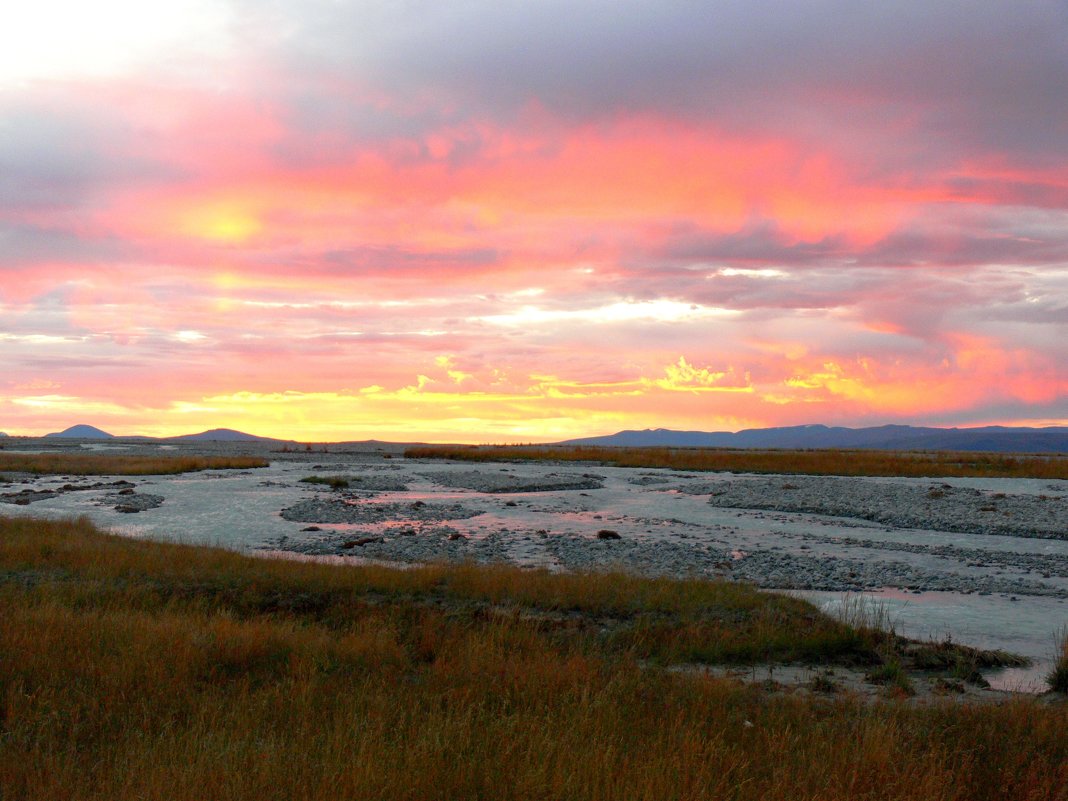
[[80, 464], [801, 462], [134, 669], [334, 482], [1058, 677]]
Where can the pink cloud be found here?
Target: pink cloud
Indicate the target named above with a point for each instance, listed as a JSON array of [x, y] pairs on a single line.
[[287, 239]]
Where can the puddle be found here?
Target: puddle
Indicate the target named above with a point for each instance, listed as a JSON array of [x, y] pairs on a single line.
[[1027, 627]]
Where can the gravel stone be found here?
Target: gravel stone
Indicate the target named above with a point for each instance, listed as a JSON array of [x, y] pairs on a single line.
[[331, 510], [494, 482], [937, 506]]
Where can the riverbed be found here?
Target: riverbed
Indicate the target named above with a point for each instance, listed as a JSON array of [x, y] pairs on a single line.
[[981, 561]]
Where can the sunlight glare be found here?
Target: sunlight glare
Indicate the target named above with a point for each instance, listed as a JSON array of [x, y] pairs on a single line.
[[55, 39]]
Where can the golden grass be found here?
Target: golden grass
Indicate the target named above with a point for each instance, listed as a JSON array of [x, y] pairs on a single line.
[[1058, 677], [803, 462], [78, 464], [664, 618], [137, 670]]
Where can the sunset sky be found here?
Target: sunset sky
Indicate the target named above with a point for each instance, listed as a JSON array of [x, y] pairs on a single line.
[[488, 221]]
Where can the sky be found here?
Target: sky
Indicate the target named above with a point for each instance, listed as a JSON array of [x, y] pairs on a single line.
[[487, 221]]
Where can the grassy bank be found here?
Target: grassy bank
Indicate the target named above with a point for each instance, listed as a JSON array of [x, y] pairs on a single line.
[[78, 464], [802, 462], [145, 670]]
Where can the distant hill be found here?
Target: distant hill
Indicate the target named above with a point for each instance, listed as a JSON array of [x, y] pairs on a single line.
[[223, 435], [2, 434], [82, 432], [1000, 439]]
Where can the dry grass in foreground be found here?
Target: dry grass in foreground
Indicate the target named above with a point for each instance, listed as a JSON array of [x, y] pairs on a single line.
[[1058, 677], [138, 670], [79, 464], [801, 462]]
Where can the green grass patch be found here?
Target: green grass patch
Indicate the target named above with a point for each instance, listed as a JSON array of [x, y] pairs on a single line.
[[141, 670]]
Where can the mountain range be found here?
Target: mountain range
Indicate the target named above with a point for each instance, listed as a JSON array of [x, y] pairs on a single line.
[[224, 435], [215, 435], [81, 432], [1001, 439]]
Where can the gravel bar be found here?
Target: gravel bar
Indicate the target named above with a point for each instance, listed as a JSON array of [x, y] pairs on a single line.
[[494, 482], [937, 507]]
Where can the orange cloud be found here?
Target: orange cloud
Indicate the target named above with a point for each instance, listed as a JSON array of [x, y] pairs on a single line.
[[532, 278]]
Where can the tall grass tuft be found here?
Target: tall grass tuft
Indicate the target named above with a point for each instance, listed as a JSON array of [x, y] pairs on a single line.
[[1058, 677]]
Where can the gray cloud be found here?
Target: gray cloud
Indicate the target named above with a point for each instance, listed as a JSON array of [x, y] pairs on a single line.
[[975, 74], [938, 236], [24, 245]]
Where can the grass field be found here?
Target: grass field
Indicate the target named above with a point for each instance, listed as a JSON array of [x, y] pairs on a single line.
[[802, 462], [78, 464], [139, 670]]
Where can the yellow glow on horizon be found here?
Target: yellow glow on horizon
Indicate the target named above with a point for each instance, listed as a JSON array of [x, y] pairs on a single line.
[[489, 404]]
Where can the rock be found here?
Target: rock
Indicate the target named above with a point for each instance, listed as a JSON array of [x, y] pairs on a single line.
[[26, 497], [377, 483], [495, 482], [360, 542], [333, 510], [133, 502]]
